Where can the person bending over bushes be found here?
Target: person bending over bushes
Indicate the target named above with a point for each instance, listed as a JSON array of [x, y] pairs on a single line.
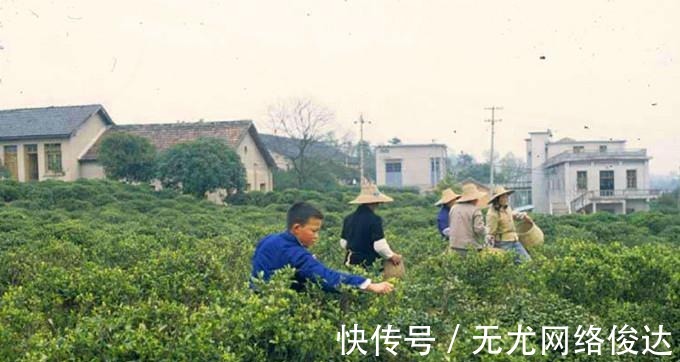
[[289, 248]]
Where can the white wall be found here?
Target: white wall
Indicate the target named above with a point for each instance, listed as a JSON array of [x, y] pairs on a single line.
[[71, 150], [91, 170], [539, 183], [415, 163], [257, 171], [557, 148]]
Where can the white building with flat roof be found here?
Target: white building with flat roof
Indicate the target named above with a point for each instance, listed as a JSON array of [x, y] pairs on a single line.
[[411, 165], [569, 176]]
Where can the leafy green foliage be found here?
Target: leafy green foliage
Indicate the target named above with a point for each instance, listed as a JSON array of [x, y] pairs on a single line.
[[132, 274], [4, 172], [128, 157], [201, 166]]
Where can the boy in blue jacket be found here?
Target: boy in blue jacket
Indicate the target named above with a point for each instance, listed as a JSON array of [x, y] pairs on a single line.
[[289, 248]]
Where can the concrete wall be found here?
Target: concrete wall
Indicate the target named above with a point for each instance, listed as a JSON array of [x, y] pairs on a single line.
[[557, 148], [593, 169], [415, 163], [91, 170], [539, 188], [258, 174]]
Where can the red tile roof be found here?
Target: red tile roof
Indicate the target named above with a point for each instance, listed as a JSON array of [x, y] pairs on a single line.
[[166, 135]]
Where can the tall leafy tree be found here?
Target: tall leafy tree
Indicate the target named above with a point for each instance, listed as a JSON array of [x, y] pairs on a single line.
[[127, 157], [201, 166]]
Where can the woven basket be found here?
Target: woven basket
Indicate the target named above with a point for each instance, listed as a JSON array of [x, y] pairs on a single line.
[[529, 234], [393, 271]]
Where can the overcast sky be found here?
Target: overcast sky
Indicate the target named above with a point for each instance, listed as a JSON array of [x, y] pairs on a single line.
[[417, 69]]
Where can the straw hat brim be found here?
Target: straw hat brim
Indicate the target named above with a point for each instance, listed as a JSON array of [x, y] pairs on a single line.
[[507, 192], [370, 199], [443, 201], [476, 196]]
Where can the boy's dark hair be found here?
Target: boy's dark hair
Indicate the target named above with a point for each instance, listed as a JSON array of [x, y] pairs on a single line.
[[300, 213]]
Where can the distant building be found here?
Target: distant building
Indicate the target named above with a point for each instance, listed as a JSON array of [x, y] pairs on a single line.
[[61, 143], [569, 176], [48, 143], [285, 149], [411, 165], [240, 135]]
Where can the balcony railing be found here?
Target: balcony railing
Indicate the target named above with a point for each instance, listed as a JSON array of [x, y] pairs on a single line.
[[629, 153], [591, 196]]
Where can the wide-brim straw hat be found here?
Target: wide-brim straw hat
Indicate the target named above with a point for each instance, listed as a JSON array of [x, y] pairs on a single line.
[[470, 192], [500, 191], [448, 195], [371, 195]]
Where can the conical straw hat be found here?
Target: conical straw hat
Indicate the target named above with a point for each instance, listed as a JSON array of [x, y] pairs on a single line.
[[470, 192], [371, 195], [500, 191], [447, 196]]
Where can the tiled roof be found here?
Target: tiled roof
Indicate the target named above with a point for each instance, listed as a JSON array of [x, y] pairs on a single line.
[[47, 122], [166, 135]]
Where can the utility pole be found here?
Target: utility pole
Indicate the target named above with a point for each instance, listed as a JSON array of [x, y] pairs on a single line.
[[493, 121], [361, 146]]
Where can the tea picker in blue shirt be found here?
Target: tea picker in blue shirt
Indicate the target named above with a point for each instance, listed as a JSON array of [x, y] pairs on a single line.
[[447, 200], [289, 248]]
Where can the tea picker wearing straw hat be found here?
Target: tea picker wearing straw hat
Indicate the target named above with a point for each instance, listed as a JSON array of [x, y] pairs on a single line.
[[362, 231], [446, 202], [500, 220], [466, 223]]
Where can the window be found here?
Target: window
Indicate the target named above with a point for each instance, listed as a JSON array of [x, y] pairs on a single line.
[[603, 148], [31, 162], [53, 157], [245, 150], [578, 149], [393, 173], [631, 179], [581, 180], [248, 187], [435, 171], [263, 187], [392, 166], [11, 161]]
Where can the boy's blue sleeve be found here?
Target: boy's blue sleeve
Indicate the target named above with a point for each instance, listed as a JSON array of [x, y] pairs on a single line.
[[310, 268]]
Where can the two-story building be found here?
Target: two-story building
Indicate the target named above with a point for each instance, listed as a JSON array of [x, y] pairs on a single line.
[[569, 176], [411, 165]]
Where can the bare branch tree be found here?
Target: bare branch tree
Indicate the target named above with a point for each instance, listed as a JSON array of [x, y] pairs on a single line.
[[306, 123]]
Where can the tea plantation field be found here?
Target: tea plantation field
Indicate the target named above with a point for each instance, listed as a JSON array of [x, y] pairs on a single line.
[[99, 270]]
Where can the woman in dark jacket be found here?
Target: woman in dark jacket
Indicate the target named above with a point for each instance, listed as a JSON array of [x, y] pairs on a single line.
[[362, 231]]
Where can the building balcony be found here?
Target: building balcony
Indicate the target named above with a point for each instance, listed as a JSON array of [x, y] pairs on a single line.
[[605, 196], [570, 156]]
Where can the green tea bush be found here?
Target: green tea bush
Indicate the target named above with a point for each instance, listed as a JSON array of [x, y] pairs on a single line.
[[100, 270]]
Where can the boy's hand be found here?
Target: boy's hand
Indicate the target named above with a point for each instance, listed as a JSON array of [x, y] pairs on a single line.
[[395, 259], [380, 288]]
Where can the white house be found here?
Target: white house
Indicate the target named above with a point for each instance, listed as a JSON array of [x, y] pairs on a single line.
[[62, 142], [410, 165], [570, 176], [46, 143]]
